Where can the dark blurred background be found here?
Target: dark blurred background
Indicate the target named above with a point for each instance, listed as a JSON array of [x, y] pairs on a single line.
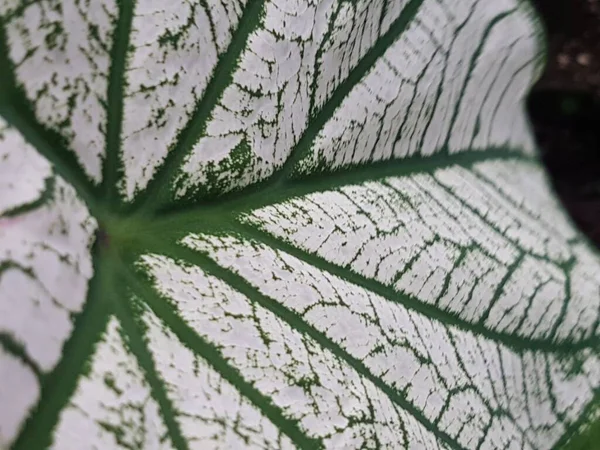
[[564, 107]]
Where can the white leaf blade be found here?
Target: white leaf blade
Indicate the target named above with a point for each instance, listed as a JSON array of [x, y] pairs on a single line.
[[405, 106], [45, 264], [439, 368], [264, 113], [112, 406], [46, 247], [410, 232], [309, 384], [19, 388], [449, 304], [210, 412], [61, 55], [175, 48]]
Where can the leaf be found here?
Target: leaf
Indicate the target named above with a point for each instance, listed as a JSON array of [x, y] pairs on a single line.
[[284, 224]]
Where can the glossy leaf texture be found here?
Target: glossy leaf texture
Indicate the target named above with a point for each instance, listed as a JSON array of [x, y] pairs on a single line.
[[284, 224]]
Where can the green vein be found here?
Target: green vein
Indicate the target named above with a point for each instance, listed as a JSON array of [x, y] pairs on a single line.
[[58, 386], [18, 350], [115, 96], [297, 323], [213, 357], [124, 310], [265, 193], [46, 196], [156, 192], [516, 343]]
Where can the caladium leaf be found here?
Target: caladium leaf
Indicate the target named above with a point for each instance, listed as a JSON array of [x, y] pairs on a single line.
[[284, 224]]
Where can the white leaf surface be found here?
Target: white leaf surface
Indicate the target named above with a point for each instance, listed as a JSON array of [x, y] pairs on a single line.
[[61, 53], [112, 406], [45, 266], [281, 224]]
